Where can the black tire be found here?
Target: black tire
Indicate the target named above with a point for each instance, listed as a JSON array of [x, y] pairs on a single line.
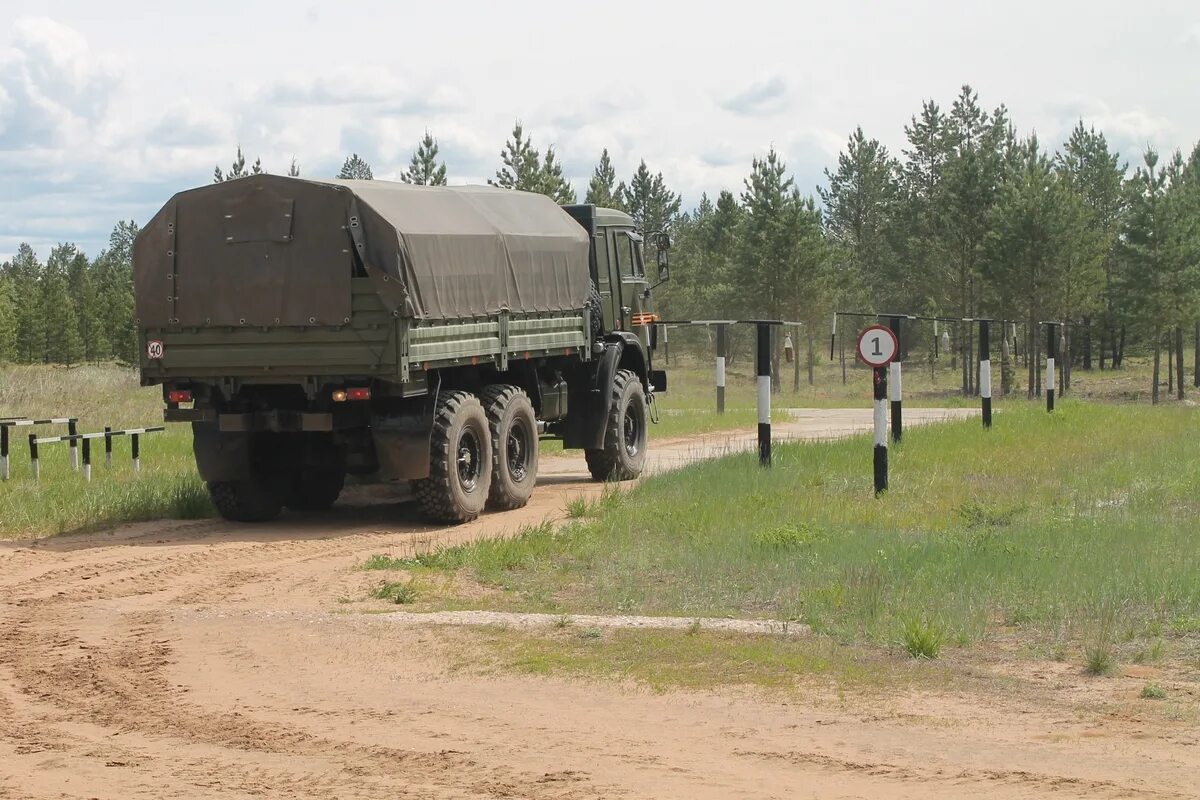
[[315, 489], [624, 452], [513, 427], [245, 500], [595, 306], [460, 457]]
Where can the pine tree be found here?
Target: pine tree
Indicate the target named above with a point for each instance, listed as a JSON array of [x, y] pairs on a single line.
[[602, 188], [1144, 235], [355, 169], [525, 170], [522, 163], [294, 169], [236, 170], [23, 276], [113, 272], [62, 344], [1096, 176], [552, 183], [8, 313], [648, 200], [860, 204], [86, 300], [423, 169]]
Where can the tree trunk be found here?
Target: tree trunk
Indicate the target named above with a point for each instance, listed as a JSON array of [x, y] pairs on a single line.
[[796, 363], [1157, 367], [1100, 349], [812, 357], [1196, 358], [1119, 350], [1087, 344], [1170, 360], [1179, 362], [1031, 360]]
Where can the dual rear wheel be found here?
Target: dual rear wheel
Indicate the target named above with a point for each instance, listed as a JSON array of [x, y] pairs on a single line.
[[483, 454]]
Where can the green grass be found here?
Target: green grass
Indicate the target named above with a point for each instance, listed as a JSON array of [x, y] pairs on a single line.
[[1152, 691], [698, 659], [1046, 524], [61, 501], [398, 592]]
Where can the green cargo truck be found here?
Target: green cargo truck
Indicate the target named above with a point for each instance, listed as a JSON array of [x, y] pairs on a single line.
[[310, 330]]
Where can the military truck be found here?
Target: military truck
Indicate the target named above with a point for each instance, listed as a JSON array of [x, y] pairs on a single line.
[[310, 330]]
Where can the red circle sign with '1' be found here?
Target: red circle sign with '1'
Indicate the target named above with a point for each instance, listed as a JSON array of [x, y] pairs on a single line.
[[877, 346]]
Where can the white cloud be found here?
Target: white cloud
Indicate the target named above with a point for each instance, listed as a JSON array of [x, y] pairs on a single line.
[[766, 96]]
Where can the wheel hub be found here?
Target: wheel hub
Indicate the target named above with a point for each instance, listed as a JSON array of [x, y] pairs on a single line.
[[632, 434], [516, 452], [468, 461]]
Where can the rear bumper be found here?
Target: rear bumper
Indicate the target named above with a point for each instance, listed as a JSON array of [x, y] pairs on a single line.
[[271, 421]]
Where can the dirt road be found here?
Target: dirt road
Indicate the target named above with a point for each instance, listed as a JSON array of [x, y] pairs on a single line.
[[206, 659]]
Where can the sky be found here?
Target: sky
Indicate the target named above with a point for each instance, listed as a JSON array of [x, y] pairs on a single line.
[[107, 109]]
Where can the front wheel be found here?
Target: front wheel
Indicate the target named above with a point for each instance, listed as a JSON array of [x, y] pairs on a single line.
[[624, 453], [460, 458]]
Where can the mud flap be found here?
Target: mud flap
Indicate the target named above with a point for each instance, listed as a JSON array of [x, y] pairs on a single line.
[[402, 441], [220, 456]]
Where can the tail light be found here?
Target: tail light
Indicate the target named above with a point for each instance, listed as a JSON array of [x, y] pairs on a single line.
[[179, 396], [356, 393]]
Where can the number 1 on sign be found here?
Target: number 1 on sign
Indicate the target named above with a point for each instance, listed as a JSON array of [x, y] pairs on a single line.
[[877, 346], [876, 351]]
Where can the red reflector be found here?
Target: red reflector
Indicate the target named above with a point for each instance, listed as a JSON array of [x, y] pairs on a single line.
[[179, 396], [358, 394]]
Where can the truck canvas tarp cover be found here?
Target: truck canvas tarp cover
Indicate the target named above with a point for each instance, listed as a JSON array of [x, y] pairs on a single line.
[[269, 250]]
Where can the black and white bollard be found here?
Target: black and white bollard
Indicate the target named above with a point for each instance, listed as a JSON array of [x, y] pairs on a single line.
[[833, 337], [764, 394], [1051, 350], [73, 429], [881, 443], [721, 368], [985, 373], [894, 386], [3, 452], [107, 447], [33, 456], [87, 459], [137, 454]]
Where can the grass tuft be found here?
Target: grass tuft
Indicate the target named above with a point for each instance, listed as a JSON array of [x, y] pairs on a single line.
[[1152, 691], [399, 592], [922, 639], [1099, 652]]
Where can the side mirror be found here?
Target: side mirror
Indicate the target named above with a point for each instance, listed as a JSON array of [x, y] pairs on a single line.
[[662, 242]]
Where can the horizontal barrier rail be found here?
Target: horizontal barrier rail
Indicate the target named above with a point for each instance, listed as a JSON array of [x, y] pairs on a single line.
[[23, 422], [86, 438]]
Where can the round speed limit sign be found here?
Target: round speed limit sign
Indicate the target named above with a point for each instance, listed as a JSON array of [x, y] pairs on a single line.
[[877, 346]]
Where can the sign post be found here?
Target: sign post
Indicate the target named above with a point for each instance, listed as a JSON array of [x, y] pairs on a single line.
[[877, 347], [894, 387], [985, 371], [764, 393]]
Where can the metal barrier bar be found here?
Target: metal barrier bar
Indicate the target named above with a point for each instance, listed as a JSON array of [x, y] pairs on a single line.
[[23, 422], [86, 438]]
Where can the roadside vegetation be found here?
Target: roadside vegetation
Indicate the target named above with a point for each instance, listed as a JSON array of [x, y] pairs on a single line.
[[1072, 534], [61, 501]]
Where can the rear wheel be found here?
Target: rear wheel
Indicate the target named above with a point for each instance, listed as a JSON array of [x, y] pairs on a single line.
[[624, 453], [315, 489], [246, 500], [460, 457], [513, 428]]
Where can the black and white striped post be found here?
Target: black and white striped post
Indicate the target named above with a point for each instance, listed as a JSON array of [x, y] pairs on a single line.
[[985, 373], [877, 347], [72, 429], [107, 447], [1051, 352], [87, 457], [34, 464], [137, 453], [764, 393], [895, 394], [721, 332], [833, 337], [881, 444]]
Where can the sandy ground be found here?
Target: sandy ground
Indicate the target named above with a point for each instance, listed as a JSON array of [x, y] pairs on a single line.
[[207, 659]]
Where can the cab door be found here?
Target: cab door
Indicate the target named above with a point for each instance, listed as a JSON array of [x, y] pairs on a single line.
[[629, 272]]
